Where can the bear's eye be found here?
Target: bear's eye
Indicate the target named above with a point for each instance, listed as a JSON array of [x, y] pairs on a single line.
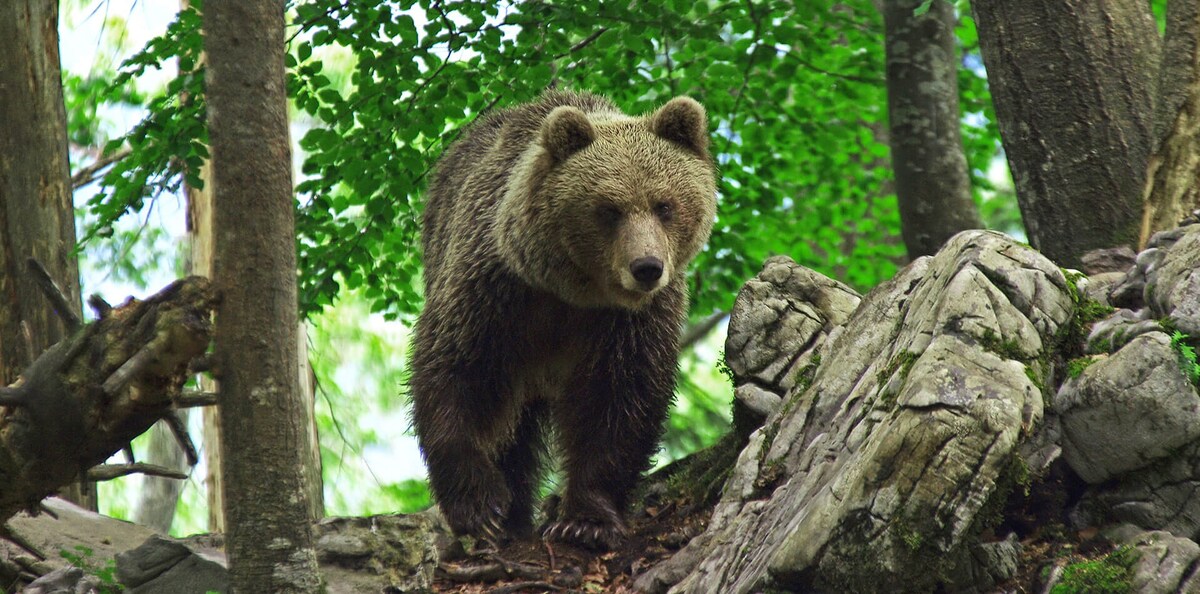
[[664, 211], [608, 214]]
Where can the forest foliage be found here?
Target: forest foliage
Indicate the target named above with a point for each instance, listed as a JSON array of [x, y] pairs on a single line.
[[795, 94]]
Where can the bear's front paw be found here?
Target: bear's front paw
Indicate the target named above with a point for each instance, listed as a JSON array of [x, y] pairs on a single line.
[[483, 518], [593, 534]]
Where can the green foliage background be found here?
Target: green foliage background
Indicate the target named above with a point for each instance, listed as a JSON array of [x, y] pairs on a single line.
[[795, 92], [797, 104]]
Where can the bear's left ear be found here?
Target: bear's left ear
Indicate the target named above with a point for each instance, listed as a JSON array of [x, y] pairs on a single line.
[[566, 131], [683, 120]]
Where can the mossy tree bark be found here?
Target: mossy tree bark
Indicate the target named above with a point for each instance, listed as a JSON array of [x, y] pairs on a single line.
[[36, 215], [933, 186], [264, 439], [1073, 86]]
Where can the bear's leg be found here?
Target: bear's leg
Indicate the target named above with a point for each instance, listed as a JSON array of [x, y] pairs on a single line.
[[521, 463], [608, 434], [460, 423]]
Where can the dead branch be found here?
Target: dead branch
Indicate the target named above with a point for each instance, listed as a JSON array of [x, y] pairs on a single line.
[[58, 300], [91, 173], [519, 586], [133, 367], [175, 424], [100, 306], [692, 334], [191, 399], [108, 472], [86, 397], [6, 532], [202, 364]]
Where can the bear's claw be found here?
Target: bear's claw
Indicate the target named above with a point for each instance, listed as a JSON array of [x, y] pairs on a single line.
[[587, 533], [486, 523]]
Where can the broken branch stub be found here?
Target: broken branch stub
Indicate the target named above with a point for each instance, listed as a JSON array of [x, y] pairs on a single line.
[[86, 397]]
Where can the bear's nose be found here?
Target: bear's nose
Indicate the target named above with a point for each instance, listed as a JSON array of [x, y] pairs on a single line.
[[646, 270]]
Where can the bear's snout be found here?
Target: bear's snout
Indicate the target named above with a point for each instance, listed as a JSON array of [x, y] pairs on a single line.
[[646, 271]]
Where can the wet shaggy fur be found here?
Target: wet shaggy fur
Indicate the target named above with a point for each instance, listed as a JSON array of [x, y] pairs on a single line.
[[556, 235]]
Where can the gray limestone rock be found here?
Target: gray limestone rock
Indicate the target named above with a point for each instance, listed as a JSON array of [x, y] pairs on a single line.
[[1161, 496], [984, 565], [779, 322], [872, 477], [65, 580], [1173, 286], [376, 553], [1127, 410], [1166, 564], [163, 566]]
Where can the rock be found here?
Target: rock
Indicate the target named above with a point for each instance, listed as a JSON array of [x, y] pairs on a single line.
[[162, 566], [1161, 496], [1166, 564], [94, 539], [65, 580], [1173, 286], [376, 553], [779, 321], [396, 553], [1118, 259], [1099, 287], [872, 479], [1127, 410], [759, 401], [985, 565], [1118, 329]]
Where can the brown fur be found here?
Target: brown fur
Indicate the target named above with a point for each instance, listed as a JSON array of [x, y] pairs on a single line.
[[556, 237]]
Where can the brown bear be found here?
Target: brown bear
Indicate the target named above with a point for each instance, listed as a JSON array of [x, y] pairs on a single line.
[[556, 235]]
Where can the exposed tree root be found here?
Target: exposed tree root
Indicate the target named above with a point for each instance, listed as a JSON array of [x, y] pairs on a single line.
[[86, 397]]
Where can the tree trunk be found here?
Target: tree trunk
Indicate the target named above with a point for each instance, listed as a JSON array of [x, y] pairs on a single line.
[[36, 214], [200, 236], [932, 182], [160, 495], [265, 438], [1171, 190], [1072, 83]]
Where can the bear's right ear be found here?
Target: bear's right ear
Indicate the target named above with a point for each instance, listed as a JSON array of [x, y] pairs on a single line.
[[566, 131]]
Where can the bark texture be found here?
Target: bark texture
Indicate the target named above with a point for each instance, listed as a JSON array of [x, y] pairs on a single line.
[[36, 216], [1171, 190], [932, 182], [265, 438], [1073, 85], [35, 198]]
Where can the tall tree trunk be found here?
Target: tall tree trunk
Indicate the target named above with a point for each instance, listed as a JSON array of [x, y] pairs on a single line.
[[200, 235], [1073, 83], [933, 185], [36, 213], [264, 438], [1173, 176]]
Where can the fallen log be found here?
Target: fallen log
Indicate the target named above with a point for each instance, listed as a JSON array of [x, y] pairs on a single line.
[[86, 397]]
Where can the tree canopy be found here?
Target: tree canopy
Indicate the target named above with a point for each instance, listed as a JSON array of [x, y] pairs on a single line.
[[795, 94]]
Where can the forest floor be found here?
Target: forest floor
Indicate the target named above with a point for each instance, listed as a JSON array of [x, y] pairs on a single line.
[[532, 565]]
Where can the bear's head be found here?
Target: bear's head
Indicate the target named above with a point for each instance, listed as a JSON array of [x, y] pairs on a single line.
[[604, 210]]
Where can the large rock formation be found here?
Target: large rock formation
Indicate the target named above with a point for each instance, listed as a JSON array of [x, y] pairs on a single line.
[[932, 435], [875, 475], [897, 428]]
